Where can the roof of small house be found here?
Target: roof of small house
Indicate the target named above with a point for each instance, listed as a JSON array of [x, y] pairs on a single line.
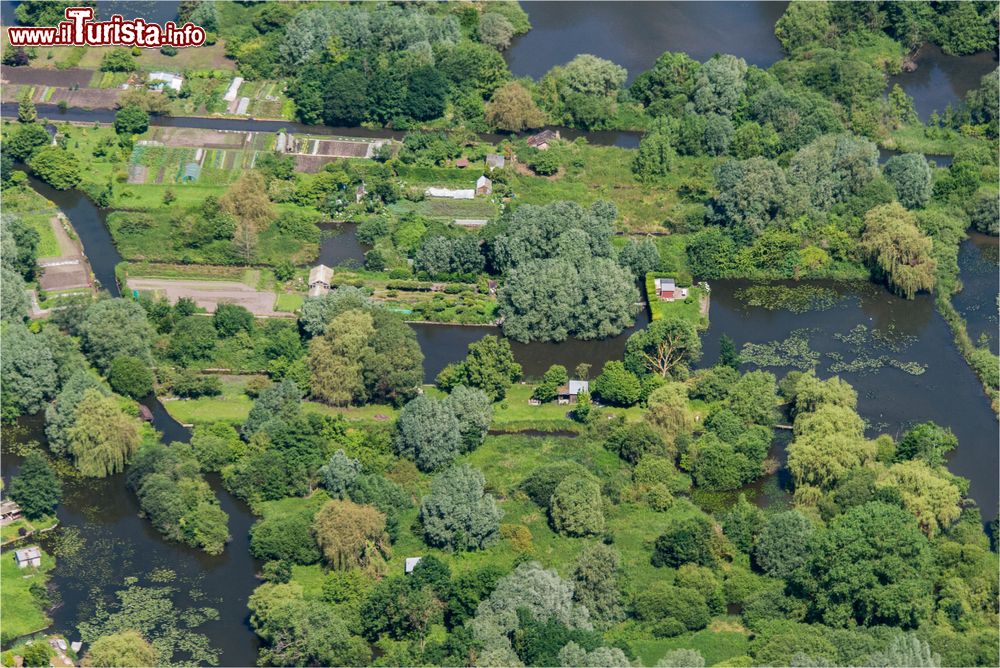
[[411, 563], [320, 274], [28, 553], [471, 222], [665, 284], [7, 507], [234, 88], [483, 181], [495, 160], [574, 387], [169, 79], [542, 137], [462, 162]]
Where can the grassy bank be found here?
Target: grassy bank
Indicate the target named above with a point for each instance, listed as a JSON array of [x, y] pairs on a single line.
[[20, 612], [983, 362]]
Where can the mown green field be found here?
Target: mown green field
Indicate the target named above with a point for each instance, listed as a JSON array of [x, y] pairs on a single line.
[[19, 612]]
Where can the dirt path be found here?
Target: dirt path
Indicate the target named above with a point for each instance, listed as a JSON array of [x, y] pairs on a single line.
[[209, 294], [67, 247]]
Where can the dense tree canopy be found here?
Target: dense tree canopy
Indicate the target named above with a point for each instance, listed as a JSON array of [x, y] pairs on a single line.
[[457, 513], [36, 488], [898, 249]]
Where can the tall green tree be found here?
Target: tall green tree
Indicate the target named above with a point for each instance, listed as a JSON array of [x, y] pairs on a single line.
[[120, 650], [115, 327], [489, 366], [910, 175], [869, 567], [103, 438], [27, 370], [898, 249], [458, 513], [665, 347], [36, 488]]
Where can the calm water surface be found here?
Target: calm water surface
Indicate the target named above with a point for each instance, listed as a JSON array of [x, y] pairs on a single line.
[[940, 79], [634, 34], [890, 399], [977, 302], [339, 244]]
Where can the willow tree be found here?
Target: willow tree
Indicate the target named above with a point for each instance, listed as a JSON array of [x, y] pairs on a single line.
[[899, 250], [351, 535], [103, 437], [828, 444], [335, 358]]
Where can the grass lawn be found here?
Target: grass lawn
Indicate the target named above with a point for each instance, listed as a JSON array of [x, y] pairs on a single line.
[[688, 309], [10, 532], [289, 303], [19, 613], [514, 413], [715, 645], [36, 211], [605, 172], [913, 138], [233, 405]]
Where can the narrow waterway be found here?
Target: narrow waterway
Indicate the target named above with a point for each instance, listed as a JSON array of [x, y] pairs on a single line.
[[118, 543], [977, 301]]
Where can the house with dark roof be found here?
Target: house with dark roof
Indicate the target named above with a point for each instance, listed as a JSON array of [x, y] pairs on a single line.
[[543, 139]]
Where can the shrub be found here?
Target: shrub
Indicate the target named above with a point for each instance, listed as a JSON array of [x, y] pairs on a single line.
[[685, 605], [130, 376], [576, 508], [686, 540]]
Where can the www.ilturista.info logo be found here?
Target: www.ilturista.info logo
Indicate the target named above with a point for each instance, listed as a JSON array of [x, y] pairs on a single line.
[[79, 30]]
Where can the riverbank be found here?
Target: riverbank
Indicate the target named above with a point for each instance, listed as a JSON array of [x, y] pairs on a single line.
[[24, 601], [983, 362]]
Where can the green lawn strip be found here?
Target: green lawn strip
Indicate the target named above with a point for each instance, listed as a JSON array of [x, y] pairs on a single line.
[[201, 272], [37, 211], [942, 141], [19, 613], [9, 532], [289, 303], [514, 412], [715, 646]]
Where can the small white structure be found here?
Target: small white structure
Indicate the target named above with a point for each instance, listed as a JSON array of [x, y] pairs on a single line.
[[29, 556], [76, 646], [471, 222], [451, 194], [233, 90], [495, 161], [244, 104], [484, 186], [281, 144], [411, 563], [166, 80], [320, 278]]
